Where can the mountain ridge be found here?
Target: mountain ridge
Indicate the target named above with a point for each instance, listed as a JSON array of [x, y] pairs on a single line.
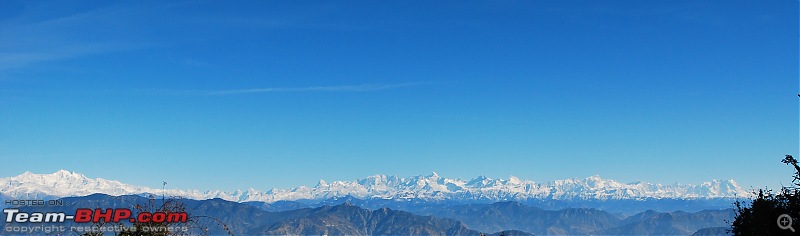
[[430, 188], [512, 218]]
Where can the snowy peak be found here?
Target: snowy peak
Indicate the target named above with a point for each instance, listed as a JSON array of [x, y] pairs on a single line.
[[61, 183], [60, 175], [433, 175], [430, 187]]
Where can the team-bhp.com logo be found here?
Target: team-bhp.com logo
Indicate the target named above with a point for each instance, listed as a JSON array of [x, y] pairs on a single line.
[[97, 215]]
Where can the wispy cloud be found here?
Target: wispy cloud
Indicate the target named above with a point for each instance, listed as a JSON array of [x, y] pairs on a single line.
[[335, 88], [11, 60], [339, 88], [28, 39]]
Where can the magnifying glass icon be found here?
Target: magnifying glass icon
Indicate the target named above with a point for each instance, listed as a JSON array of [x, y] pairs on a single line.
[[785, 222]]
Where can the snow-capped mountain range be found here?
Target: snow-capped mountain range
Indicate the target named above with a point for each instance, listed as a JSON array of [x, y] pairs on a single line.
[[431, 188]]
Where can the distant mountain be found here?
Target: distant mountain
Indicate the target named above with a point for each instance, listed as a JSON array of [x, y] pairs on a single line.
[[510, 233], [239, 218], [280, 205], [581, 221], [715, 231], [347, 219], [513, 215], [428, 188], [673, 223], [217, 216]]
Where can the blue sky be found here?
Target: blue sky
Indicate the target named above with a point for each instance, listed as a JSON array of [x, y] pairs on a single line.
[[262, 94]]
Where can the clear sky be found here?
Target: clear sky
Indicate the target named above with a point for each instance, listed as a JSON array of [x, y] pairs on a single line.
[[262, 94]]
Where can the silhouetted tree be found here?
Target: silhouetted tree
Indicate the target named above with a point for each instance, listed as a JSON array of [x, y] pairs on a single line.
[[195, 225], [760, 216]]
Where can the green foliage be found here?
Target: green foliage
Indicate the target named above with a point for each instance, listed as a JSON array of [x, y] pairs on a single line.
[[760, 216]]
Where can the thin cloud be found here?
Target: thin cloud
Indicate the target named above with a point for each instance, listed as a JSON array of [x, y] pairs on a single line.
[[28, 39], [336, 88], [12, 60], [339, 88]]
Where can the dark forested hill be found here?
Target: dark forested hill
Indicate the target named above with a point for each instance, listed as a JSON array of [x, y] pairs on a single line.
[[217, 216]]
